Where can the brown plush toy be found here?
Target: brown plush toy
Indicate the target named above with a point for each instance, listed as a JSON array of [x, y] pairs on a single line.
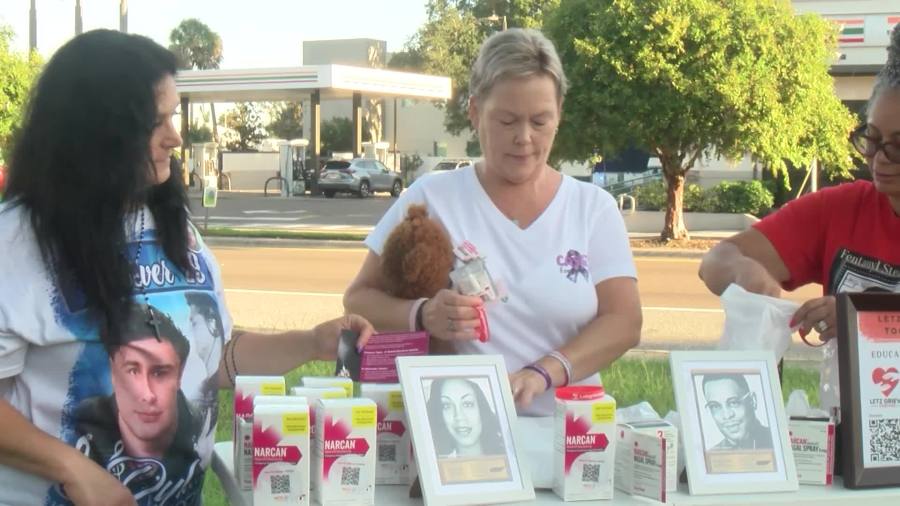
[[417, 256], [417, 260]]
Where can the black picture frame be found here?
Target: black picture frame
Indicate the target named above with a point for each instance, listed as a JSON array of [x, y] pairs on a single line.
[[849, 306]]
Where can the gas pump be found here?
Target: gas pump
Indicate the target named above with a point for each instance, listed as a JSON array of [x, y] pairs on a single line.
[[300, 175], [377, 150], [292, 167], [204, 161]]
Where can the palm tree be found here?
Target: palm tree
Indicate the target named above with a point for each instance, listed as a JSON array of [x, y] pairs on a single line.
[[197, 47]]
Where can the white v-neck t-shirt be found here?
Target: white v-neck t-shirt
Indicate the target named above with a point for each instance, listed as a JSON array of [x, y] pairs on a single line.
[[548, 270]]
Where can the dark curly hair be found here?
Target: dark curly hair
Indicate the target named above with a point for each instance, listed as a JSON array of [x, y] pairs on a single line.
[[81, 163], [444, 443]]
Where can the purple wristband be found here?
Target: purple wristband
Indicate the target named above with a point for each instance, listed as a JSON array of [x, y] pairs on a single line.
[[543, 372]]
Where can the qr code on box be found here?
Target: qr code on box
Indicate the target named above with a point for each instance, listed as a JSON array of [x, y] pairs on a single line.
[[884, 443], [590, 473], [387, 453], [350, 476], [281, 484]]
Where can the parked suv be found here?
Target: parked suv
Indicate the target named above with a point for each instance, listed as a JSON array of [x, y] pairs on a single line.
[[362, 176]]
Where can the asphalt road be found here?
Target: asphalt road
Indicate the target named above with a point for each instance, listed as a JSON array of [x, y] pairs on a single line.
[[253, 210], [283, 288]]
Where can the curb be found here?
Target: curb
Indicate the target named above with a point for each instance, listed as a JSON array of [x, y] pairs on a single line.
[[335, 244]]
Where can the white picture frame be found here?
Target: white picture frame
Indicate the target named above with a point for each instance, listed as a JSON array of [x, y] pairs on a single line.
[[733, 423], [466, 443]]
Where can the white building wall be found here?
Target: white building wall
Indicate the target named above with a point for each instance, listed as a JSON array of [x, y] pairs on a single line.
[[420, 124]]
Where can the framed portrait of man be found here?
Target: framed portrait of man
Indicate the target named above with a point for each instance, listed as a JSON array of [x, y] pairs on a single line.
[[466, 444], [733, 422], [868, 333]]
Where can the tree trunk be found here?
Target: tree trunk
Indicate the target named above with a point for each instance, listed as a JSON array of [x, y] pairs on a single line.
[[674, 226], [215, 122]]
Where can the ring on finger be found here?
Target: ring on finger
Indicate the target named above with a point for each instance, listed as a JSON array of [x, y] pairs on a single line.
[[821, 326], [451, 325]]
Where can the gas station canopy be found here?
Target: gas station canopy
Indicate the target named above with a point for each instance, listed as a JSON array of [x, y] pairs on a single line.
[[313, 83], [293, 83]]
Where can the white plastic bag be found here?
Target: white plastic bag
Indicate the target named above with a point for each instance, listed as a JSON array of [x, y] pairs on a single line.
[[756, 322], [539, 431], [640, 412], [798, 405]]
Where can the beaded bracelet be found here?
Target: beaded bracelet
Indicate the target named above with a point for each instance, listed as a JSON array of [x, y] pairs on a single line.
[[567, 365], [543, 372]]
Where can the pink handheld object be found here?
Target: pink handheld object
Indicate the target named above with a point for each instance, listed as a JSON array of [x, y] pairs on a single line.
[[484, 333]]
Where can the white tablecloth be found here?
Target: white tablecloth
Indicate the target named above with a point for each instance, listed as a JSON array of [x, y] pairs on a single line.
[[835, 495]]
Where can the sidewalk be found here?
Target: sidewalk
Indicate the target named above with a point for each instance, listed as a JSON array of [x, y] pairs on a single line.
[[639, 251]]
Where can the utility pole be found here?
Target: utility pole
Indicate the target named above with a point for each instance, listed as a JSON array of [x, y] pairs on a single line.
[[32, 27], [78, 25], [123, 16]]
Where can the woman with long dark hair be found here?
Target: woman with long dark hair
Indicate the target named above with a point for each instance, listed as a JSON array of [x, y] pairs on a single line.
[[462, 421], [96, 235]]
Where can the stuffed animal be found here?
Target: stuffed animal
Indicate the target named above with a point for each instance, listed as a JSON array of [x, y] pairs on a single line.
[[417, 256], [417, 260]]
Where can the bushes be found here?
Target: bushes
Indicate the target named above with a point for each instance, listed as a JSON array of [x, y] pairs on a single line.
[[742, 197], [726, 197], [653, 197]]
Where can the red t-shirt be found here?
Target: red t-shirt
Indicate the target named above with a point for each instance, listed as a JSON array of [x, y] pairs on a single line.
[[847, 238]]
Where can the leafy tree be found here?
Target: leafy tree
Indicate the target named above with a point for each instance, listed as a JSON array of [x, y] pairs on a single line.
[[197, 134], [17, 73], [687, 78], [286, 120], [246, 121], [448, 43], [197, 47], [337, 135]]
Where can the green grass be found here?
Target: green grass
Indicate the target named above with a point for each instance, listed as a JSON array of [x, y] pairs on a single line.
[[631, 381], [283, 234], [628, 380]]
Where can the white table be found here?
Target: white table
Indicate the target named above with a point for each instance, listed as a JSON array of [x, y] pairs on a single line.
[[808, 495]]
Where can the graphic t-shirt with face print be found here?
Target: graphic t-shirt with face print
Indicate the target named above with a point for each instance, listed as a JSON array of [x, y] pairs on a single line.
[[145, 411]]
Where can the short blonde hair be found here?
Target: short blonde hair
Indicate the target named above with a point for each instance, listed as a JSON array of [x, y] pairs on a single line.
[[516, 53]]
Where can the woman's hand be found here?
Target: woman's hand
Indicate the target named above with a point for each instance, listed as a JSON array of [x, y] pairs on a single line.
[[451, 316], [819, 314], [526, 385], [327, 334], [91, 485]]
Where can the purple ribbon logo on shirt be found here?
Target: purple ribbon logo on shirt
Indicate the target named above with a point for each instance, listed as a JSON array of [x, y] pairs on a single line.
[[572, 264]]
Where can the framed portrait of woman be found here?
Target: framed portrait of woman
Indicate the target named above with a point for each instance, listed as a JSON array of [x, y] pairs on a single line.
[[466, 443], [734, 427]]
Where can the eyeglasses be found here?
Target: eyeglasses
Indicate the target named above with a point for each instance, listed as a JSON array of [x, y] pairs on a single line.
[[733, 403], [869, 146]]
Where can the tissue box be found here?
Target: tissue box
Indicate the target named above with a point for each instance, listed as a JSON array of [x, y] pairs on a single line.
[[812, 440], [344, 456], [393, 433], [656, 428], [246, 388], [281, 454]]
